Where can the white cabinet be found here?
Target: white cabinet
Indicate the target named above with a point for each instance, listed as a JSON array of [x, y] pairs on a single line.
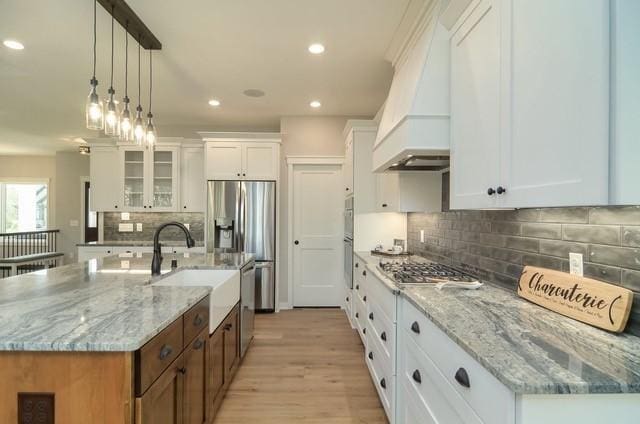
[[348, 167], [529, 126], [105, 186], [409, 191], [242, 160], [149, 178], [192, 181]]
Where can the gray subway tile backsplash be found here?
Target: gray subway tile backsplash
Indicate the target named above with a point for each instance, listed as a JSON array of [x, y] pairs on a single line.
[[149, 221], [496, 245]]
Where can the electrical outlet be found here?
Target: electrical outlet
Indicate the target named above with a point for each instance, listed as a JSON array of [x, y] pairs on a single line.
[[421, 236], [139, 226], [575, 264], [125, 228], [186, 226], [124, 264], [124, 216], [74, 223]]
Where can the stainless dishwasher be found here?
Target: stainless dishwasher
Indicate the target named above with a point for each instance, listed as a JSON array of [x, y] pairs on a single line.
[[247, 305]]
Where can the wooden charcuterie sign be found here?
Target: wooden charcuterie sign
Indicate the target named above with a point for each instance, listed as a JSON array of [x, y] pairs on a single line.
[[591, 301]]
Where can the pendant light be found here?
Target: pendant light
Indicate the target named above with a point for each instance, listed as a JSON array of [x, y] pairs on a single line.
[[93, 109], [151, 135], [126, 124], [111, 121], [138, 127]]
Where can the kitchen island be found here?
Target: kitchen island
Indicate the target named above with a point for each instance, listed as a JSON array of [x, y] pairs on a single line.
[[93, 339]]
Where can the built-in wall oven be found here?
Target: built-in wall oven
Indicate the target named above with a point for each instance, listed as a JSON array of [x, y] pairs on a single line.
[[348, 242]]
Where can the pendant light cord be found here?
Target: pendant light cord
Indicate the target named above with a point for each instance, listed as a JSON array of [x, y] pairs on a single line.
[[138, 70], [150, 77], [112, 13], [95, 36], [126, 60]]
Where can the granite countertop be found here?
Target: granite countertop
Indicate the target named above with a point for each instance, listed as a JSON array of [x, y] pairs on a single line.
[[136, 243], [99, 305], [531, 350]]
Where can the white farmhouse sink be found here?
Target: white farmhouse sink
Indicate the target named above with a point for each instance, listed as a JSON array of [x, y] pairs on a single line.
[[224, 284]]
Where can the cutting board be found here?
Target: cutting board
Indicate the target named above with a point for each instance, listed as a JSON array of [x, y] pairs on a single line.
[[584, 299]]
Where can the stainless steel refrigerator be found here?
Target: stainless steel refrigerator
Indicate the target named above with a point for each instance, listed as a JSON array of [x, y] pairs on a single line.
[[241, 217]]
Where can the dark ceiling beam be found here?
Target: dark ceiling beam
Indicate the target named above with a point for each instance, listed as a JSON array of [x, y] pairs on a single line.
[[130, 21]]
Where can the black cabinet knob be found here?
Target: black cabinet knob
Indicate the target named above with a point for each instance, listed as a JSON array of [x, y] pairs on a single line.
[[238, 174], [364, 273], [415, 327], [346, 189], [364, 331], [463, 378], [296, 242], [383, 336], [501, 190], [357, 315], [364, 299], [145, 207], [357, 286], [165, 351], [371, 355], [357, 265], [384, 205], [371, 316], [197, 345], [491, 191], [116, 206], [417, 377], [347, 299], [198, 320], [244, 175], [182, 370], [383, 383], [185, 206], [227, 327]]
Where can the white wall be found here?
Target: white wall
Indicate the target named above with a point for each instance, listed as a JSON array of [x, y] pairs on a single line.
[[303, 136], [388, 226]]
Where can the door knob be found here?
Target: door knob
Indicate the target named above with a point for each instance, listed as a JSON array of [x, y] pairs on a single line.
[[296, 242]]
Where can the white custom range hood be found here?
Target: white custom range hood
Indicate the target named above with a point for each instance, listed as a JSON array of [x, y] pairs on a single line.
[[414, 128]]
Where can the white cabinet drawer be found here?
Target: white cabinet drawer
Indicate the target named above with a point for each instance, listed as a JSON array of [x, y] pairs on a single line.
[[382, 376], [418, 373], [410, 408], [380, 294], [493, 402], [382, 330]]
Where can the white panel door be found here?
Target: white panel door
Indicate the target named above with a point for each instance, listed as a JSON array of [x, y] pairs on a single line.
[[475, 108], [557, 151], [259, 161], [192, 182], [106, 188], [223, 161], [317, 231]]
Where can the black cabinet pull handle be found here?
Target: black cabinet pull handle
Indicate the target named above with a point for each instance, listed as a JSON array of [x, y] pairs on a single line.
[[384, 205], [198, 320], [296, 242], [415, 327], [501, 190], [364, 331], [347, 299], [371, 316], [227, 327], [371, 355], [165, 351], [198, 344], [463, 378], [364, 273], [357, 265], [364, 299], [182, 370], [490, 191], [383, 336], [417, 377], [357, 315], [357, 286], [383, 383]]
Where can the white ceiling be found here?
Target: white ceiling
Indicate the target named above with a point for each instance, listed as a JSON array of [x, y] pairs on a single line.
[[211, 49]]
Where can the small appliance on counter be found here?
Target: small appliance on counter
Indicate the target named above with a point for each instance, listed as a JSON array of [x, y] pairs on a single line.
[[398, 249]]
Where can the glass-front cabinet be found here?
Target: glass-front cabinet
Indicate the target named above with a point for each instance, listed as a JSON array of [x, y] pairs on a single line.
[[150, 178]]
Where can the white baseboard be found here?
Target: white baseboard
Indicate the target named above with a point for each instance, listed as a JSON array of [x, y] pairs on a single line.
[[284, 306]]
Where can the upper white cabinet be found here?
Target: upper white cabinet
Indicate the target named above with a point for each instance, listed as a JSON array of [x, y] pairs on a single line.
[[150, 178], [530, 104], [105, 186], [410, 191], [244, 156], [192, 181]]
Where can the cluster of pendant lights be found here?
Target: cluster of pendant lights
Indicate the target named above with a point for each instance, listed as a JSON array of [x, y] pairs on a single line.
[[114, 122]]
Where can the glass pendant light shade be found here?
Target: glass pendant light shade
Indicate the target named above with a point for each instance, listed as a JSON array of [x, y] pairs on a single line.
[[94, 109], [151, 135], [138, 127], [111, 118], [126, 123]]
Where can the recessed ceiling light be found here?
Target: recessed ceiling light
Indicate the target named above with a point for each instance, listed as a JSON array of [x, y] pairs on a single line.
[[214, 102], [315, 104], [13, 44], [316, 48]]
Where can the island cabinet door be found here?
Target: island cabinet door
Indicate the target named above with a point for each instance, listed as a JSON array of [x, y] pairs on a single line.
[[215, 371], [231, 344], [163, 402], [195, 359]]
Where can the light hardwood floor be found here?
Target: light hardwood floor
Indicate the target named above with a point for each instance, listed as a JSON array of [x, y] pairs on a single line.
[[304, 366]]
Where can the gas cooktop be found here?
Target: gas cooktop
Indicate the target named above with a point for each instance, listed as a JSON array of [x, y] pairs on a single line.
[[412, 272]]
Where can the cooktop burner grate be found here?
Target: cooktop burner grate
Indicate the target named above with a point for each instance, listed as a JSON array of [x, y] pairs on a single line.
[[415, 272]]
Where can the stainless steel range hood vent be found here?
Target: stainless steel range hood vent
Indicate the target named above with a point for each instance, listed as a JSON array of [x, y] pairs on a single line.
[[421, 163]]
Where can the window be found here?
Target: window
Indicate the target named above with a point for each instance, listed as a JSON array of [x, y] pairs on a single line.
[[23, 206]]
